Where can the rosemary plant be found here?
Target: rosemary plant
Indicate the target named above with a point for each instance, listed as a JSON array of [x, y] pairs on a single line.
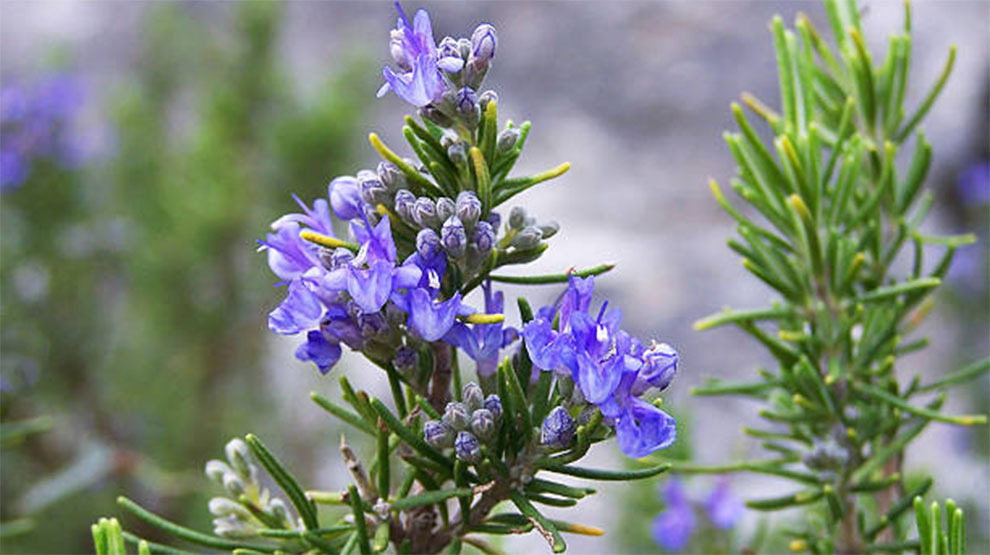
[[837, 200], [457, 458]]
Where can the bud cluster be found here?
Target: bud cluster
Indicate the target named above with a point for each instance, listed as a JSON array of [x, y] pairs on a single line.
[[466, 424], [524, 233], [239, 478]]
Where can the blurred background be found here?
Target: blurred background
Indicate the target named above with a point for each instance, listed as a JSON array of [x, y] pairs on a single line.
[[145, 146]]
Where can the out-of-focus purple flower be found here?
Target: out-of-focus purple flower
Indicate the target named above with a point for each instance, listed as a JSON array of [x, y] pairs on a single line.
[[345, 198], [33, 121], [973, 184], [419, 81], [672, 528], [724, 509]]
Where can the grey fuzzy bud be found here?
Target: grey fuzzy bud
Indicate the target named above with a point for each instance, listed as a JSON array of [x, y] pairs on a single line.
[[448, 48], [467, 448], [425, 213], [221, 506], [517, 217], [372, 325], [485, 98], [238, 454], [457, 153], [483, 424], [558, 429], [483, 237], [233, 484], [372, 190], [445, 208], [404, 202], [406, 358], [527, 239], [438, 434], [453, 237], [468, 208], [548, 229], [215, 470], [494, 405], [427, 243], [473, 397], [391, 176], [507, 140], [466, 102], [232, 528], [464, 47], [278, 509], [457, 416], [484, 41]]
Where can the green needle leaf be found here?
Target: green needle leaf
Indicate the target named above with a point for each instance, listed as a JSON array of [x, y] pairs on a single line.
[[607, 475], [285, 480]]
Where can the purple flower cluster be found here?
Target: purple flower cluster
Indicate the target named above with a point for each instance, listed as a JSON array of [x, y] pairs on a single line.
[[672, 528], [337, 295], [428, 75], [611, 368], [32, 126], [482, 342]]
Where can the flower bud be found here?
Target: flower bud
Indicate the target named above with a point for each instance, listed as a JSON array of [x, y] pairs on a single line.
[[483, 237], [507, 140], [404, 202], [233, 484], [427, 243], [485, 98], [548, 229], [391, 176], [659, 365], [449, 55], [453, 237], [558, 429], [467, 448], [372, 190], [472, 396], [483, 424], [345, 197], [527, 239], [484, 40], [278, 509], [466, 102], [438, 434], [406, 358], [425, 213], [238, 454], [372, 325], [464, 47], [495, 219], [468, 208], [215, 470], [457, 416], [222, 506], [493, 405], [517, 217], [232, 528], [457, 154], [445, 208]]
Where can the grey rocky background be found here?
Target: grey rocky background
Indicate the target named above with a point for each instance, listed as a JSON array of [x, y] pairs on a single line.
[[635, 95]]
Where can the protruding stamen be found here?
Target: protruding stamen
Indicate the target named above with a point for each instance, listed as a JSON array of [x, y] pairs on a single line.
[[326, 240], [480, 318]]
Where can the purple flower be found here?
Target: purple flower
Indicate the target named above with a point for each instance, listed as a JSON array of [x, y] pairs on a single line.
[[33, 126], [723, 508], [321, 350], [610, 367], [345, 198], [973, 184], [415, 52], [482, 342], [672, 528], [429, 318], [299, 311]]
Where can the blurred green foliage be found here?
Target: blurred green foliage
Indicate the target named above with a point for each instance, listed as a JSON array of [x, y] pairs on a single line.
[[151, 339]]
